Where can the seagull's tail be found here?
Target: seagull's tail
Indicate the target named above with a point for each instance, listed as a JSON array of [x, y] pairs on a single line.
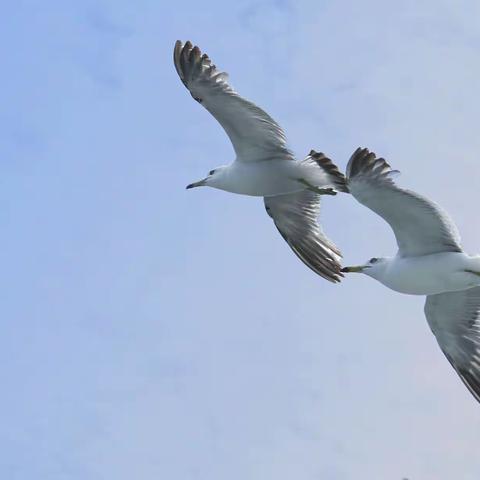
[[335, 178]]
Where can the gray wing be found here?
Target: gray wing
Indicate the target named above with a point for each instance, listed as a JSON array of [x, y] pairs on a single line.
[[295, 216], [254, 134], [420, 226], [454, 318]]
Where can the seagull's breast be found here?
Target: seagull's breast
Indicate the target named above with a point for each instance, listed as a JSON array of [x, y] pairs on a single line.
[[429, 274], [262, 179]]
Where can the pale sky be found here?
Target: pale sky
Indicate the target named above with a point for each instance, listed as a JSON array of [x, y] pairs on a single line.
[[149, 332]]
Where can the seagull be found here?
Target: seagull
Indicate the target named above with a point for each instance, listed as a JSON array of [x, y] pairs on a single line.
[[264, 166], [430, 261]]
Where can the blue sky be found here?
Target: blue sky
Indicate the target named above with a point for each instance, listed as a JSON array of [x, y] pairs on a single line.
[[150, 332]]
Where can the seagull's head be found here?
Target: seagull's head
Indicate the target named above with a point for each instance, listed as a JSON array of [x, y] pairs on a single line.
[[373, 268], [214, 179]]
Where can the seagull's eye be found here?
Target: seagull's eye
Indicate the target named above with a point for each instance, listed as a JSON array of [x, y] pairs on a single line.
[[211, 172], [373, 260]]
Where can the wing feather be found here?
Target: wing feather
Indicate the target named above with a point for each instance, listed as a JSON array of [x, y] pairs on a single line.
[[254, 134], [295, 216], [420, 226], [454, 318]]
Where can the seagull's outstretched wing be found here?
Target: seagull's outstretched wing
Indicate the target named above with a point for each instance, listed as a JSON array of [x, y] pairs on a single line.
[[421, 227], [254, 134], [454, 318], [295, 215]]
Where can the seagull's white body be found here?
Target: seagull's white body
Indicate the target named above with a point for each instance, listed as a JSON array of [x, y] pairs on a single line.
[[428, 274], [264, 166], [267, 178], [430, 261]]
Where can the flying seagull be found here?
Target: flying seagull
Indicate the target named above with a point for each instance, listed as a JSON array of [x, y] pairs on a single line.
[[264, 166], [430, 261]]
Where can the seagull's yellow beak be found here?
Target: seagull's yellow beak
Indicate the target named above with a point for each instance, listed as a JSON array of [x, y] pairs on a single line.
[[354, 269]]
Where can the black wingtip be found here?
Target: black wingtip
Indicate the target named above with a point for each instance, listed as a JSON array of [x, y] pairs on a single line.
[[363, 161], [338, 178], [321, 259], [471, 382]]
